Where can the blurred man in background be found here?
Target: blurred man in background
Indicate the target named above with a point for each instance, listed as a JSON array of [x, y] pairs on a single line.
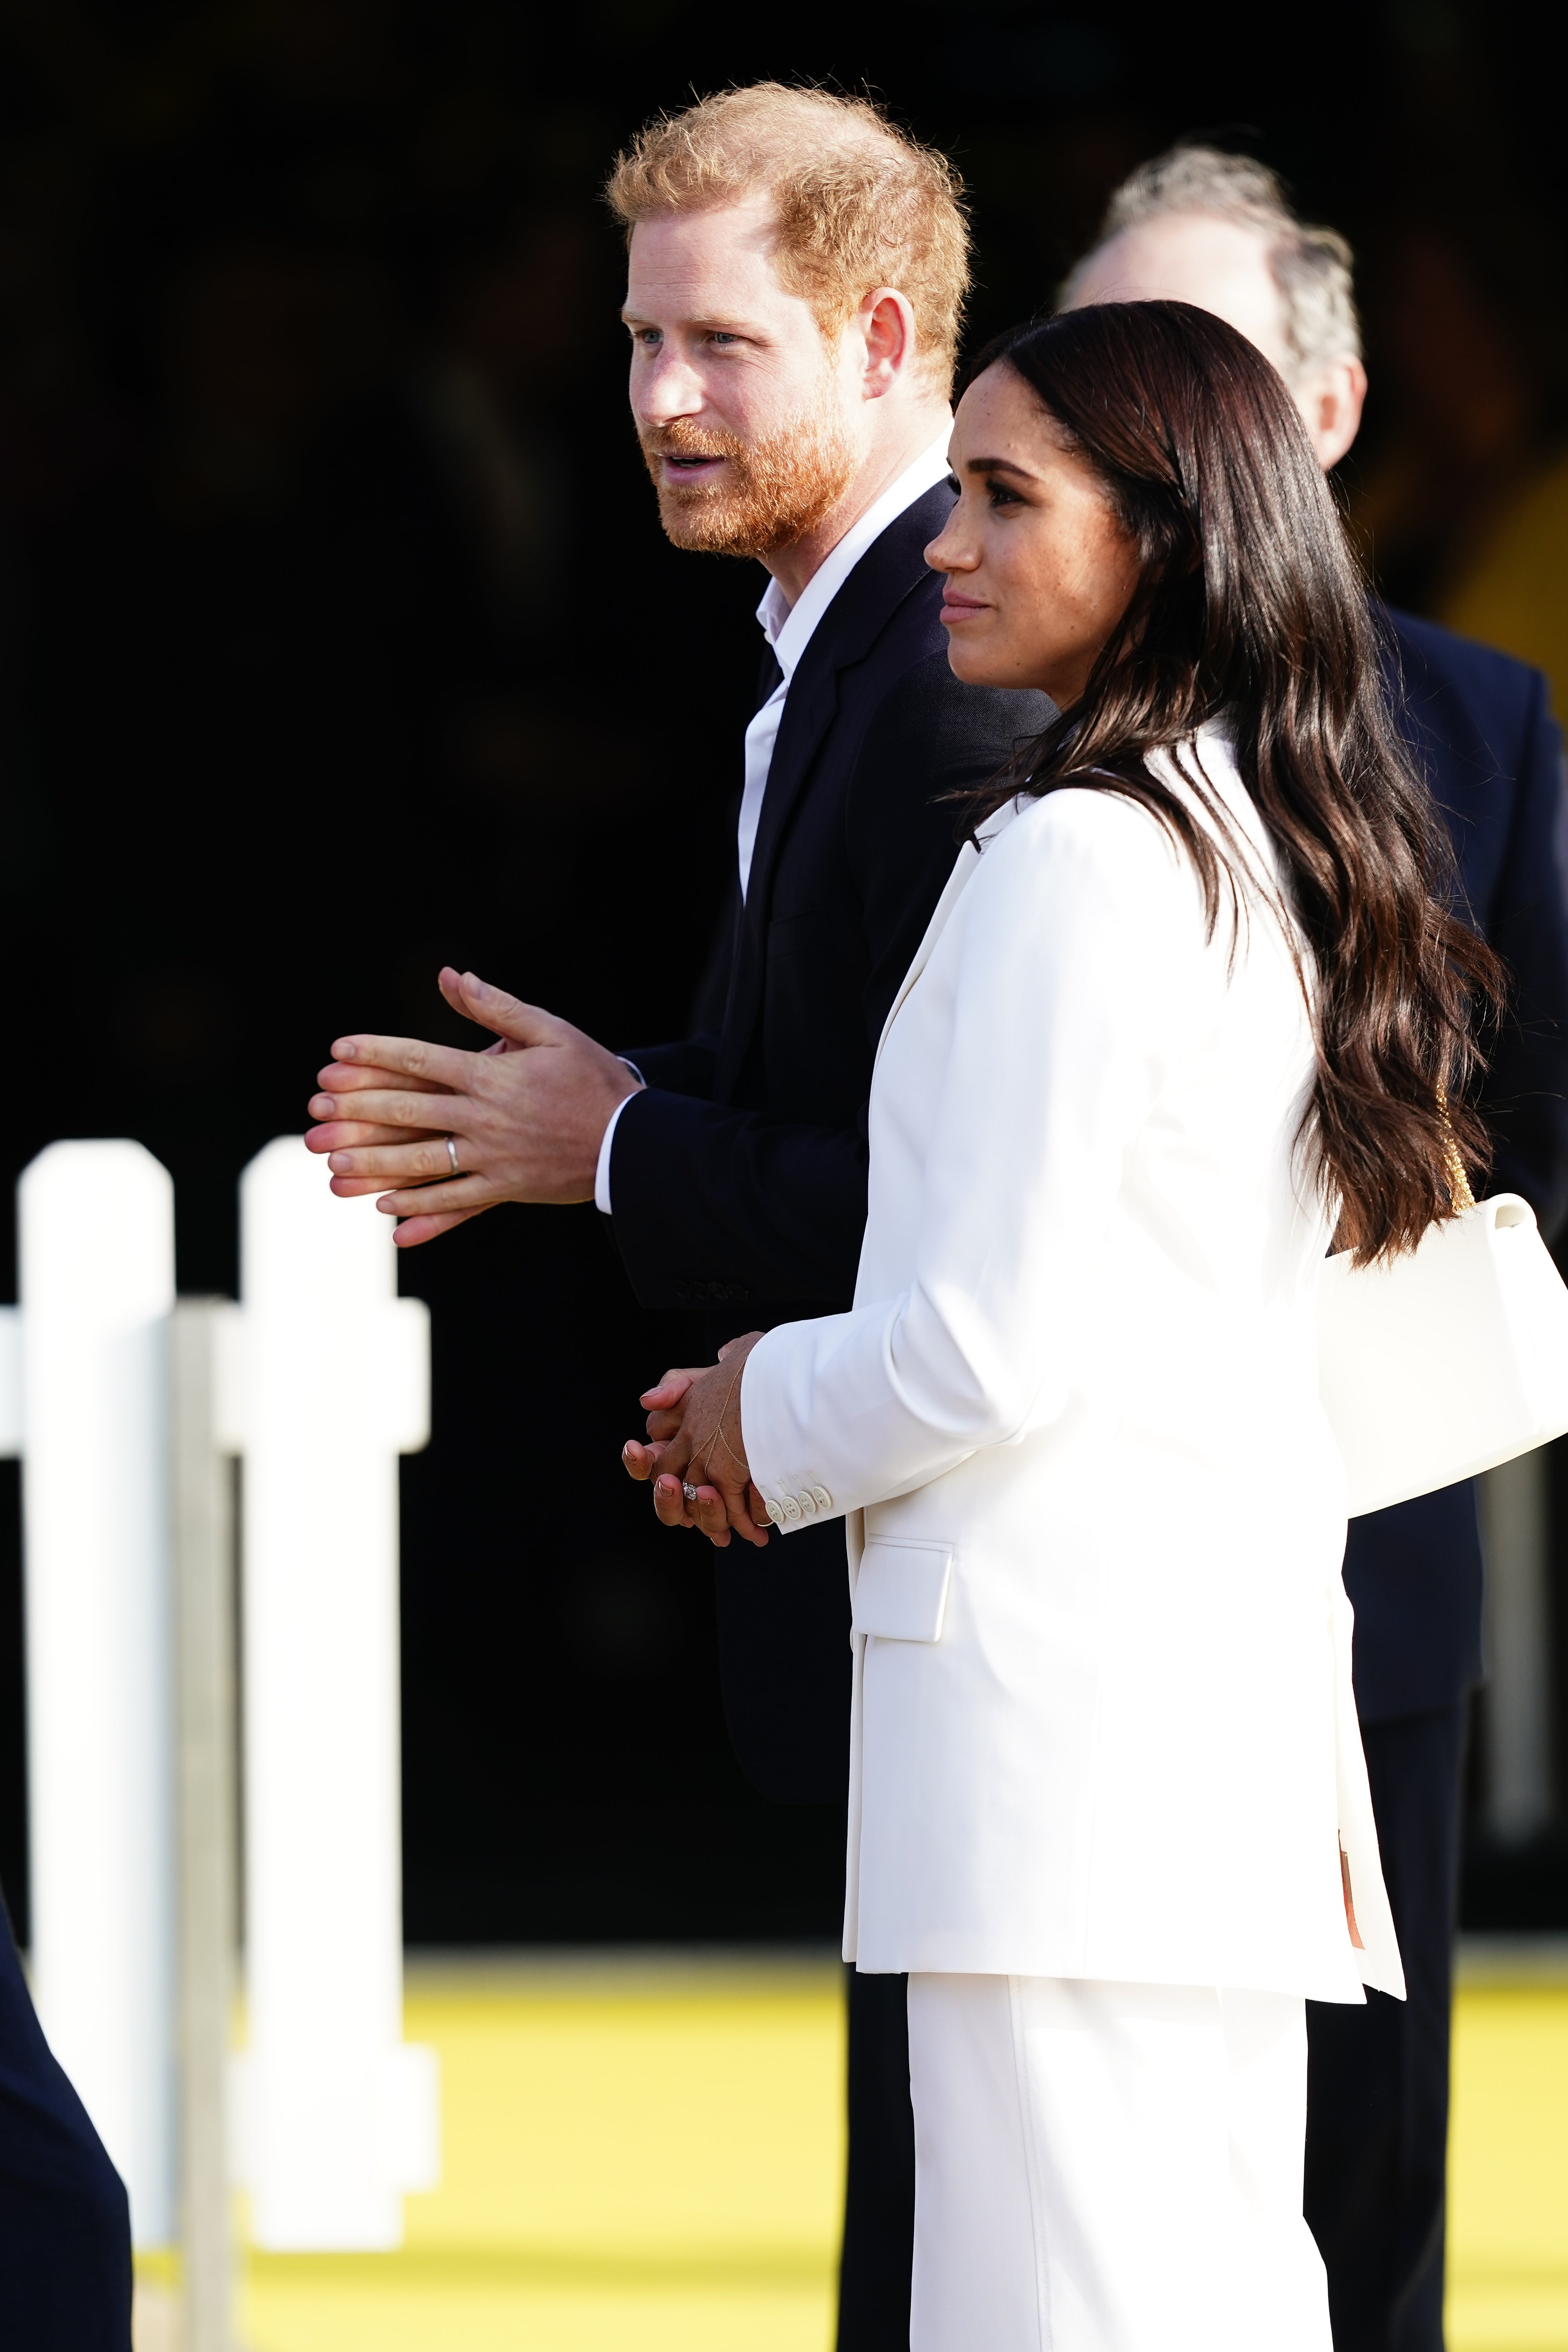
[[797, 272], [1198, 226]]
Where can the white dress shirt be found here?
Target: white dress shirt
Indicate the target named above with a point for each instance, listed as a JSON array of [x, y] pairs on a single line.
[[789, 629]]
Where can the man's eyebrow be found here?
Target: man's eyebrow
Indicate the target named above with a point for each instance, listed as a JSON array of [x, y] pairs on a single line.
[[720, 326]]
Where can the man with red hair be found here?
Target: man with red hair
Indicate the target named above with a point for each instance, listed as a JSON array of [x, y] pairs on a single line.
[[797, 272]]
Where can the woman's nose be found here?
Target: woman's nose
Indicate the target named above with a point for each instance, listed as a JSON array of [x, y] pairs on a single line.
[[948, 553]]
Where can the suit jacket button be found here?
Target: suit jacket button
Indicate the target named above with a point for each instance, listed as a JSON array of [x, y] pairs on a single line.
[[775, 1513], [791, 1507], [808, 1502], [823, 1499]]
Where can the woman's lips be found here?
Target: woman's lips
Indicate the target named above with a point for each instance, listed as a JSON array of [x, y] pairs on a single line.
[[960, 608]]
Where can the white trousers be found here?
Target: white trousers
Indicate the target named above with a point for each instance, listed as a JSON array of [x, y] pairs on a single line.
[[1109, 2167]]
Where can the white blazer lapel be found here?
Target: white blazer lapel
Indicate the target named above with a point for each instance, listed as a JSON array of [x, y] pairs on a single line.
[[958, 881]]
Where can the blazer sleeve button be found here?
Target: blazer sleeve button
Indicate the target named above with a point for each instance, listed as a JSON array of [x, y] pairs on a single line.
[[775, 1513], [791, 1507], [823, 1499], [808, 1502]]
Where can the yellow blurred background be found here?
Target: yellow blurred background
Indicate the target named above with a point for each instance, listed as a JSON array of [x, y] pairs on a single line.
[[644, 2155]]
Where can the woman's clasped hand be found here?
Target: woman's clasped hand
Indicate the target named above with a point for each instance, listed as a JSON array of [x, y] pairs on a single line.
[[696, 1452]]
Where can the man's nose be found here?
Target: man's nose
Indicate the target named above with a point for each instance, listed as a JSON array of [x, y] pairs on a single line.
[[664, 386]]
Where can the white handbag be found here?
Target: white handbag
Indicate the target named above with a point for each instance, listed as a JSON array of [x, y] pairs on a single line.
[[1446, 1360]]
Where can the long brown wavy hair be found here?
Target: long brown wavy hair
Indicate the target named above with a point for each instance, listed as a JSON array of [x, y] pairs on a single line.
[[1251, 607]]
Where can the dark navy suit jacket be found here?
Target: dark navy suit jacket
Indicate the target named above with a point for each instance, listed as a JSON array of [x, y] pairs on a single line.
[[1481, 726], [737, 1179], [740, 1176]]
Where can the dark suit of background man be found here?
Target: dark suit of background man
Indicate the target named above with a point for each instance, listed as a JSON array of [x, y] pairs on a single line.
[[735, 1174], [1214, 230]]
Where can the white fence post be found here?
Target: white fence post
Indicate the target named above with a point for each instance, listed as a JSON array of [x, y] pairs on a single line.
[[335, 2116], [97, 1288], [208, 1816]]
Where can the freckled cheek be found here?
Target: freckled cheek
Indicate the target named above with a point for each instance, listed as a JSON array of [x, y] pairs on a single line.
[[1041, 603]]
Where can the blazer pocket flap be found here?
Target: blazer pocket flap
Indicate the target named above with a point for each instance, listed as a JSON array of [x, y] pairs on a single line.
[[900, 1590]]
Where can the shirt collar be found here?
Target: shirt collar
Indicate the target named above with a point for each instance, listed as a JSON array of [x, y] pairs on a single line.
[[789, 628]]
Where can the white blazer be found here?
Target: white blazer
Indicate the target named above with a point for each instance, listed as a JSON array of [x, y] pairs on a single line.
[[1103, 1724]]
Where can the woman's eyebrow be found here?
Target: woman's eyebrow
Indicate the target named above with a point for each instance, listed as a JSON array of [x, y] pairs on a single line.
[[997, 466]]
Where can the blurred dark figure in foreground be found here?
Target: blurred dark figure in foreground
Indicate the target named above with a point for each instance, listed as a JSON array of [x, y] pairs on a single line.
[[1199, 226], [65, 2221]]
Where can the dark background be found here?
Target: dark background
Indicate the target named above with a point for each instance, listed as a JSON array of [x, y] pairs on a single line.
[[338, 639]]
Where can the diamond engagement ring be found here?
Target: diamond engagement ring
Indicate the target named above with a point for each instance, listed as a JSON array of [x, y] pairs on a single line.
[[688, 1490], [452, 1156]]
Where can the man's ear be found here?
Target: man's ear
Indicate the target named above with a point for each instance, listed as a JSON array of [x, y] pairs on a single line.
[[1330, 400], [887, 321]]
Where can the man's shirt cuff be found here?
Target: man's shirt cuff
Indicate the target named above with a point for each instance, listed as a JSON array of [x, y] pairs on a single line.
[[601, 1172]]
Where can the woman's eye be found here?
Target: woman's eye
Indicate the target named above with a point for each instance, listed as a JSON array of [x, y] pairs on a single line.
[[999, 495], [955, 486]]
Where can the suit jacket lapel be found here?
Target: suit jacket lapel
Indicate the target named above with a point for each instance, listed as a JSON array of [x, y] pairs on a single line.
[[958, 882], [892, 568]]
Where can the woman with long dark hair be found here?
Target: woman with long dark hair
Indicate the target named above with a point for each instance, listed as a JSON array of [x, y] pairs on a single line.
[[1194, 1003]]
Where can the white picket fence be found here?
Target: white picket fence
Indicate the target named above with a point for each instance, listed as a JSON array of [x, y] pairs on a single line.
[[123, 1406], [318, 1380]]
